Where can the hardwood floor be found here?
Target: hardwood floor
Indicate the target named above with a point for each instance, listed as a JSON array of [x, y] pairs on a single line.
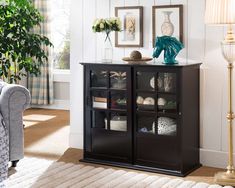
[[47, 136]]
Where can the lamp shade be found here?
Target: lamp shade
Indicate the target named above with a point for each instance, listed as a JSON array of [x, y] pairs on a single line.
[[220, 12]]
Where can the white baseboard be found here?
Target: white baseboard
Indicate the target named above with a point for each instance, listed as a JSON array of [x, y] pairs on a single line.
[[214, 158], [76, 140], [58, 105]]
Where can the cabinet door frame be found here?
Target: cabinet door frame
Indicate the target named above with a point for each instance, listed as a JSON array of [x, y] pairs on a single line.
[[88, 146], [177, 92]]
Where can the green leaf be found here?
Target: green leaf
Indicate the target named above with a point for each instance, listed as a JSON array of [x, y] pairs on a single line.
[[18, 44]]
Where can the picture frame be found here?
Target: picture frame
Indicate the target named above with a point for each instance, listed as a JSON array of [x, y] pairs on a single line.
[[132, 25], [167, 20]]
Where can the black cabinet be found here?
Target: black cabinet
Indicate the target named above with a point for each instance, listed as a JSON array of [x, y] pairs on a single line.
[[142, 116]]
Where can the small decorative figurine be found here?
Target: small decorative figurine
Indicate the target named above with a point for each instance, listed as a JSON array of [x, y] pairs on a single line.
[[161, 102], [171, 47], [140, 100], [149, 101]]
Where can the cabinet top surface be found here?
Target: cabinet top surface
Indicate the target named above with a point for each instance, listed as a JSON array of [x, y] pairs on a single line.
[[151, 63]]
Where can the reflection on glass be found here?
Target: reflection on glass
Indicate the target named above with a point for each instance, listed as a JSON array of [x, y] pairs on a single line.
[[145, 81], [99, 79], [98, 119], [166, 82], [118, 79], [99, 99]]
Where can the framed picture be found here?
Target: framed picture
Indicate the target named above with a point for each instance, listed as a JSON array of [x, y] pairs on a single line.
[[132, 25], [168, 20]]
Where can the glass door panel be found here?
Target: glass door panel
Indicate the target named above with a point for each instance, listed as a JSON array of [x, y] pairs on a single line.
[[99, 119], [99, 99], [145, 81], [167, 103], [166, 126], [118, 100], [166, 82], [145, 124], [99, 79], [118, 79]]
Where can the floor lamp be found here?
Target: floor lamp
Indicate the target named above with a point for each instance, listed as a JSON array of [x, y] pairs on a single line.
[[223, 12]]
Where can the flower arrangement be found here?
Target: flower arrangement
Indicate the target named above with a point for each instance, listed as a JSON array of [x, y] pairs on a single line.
[[107, 25]]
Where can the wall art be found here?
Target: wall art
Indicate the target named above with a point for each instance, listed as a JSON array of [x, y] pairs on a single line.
[[132, 25]]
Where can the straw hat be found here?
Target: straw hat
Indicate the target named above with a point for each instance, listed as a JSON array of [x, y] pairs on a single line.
[[136, 58]]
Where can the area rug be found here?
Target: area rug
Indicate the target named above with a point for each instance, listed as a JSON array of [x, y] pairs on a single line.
[[33, 172]]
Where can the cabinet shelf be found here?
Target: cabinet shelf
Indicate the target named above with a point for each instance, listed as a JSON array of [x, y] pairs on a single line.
[[106, 89], [153, 112], [109, 131], [166, 93], [146, 112], [148, 122], [145, 91], [108, 110], [156, 136], [171, 115], [154, 92]]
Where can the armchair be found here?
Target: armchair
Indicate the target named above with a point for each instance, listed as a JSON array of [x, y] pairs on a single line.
[[14, 99]]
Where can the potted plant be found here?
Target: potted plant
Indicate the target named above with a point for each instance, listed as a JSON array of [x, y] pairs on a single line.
[[21, 50]]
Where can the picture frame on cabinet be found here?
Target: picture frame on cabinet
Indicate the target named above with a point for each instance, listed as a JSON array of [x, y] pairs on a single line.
[[132, 26], [167, 20]]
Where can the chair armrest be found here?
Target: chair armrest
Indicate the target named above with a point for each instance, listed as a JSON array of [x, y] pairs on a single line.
[[14, 99]]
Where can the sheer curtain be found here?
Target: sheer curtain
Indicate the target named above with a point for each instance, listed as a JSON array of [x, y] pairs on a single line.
[[41, 87]]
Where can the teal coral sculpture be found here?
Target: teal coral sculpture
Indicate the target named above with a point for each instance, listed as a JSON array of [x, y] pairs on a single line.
[[171, 47]]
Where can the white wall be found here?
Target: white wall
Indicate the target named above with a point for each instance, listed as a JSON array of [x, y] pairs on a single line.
[[202, 44]]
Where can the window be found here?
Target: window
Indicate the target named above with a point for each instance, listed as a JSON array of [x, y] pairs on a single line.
[[60, 36]]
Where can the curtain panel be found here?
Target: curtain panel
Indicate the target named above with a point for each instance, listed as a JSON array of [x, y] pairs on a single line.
[[41, 87]]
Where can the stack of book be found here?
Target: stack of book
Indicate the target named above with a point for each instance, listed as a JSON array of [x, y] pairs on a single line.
[[99, 102]]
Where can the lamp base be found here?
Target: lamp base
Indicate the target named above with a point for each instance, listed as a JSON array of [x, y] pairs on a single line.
[[225, 178]]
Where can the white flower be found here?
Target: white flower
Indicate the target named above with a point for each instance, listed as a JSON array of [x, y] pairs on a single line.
[[108, 22], [101, 25], [3, 2], [112, 20]]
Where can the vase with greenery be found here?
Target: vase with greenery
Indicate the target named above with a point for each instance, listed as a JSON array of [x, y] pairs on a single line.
[[21, 50], [106, 26]]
